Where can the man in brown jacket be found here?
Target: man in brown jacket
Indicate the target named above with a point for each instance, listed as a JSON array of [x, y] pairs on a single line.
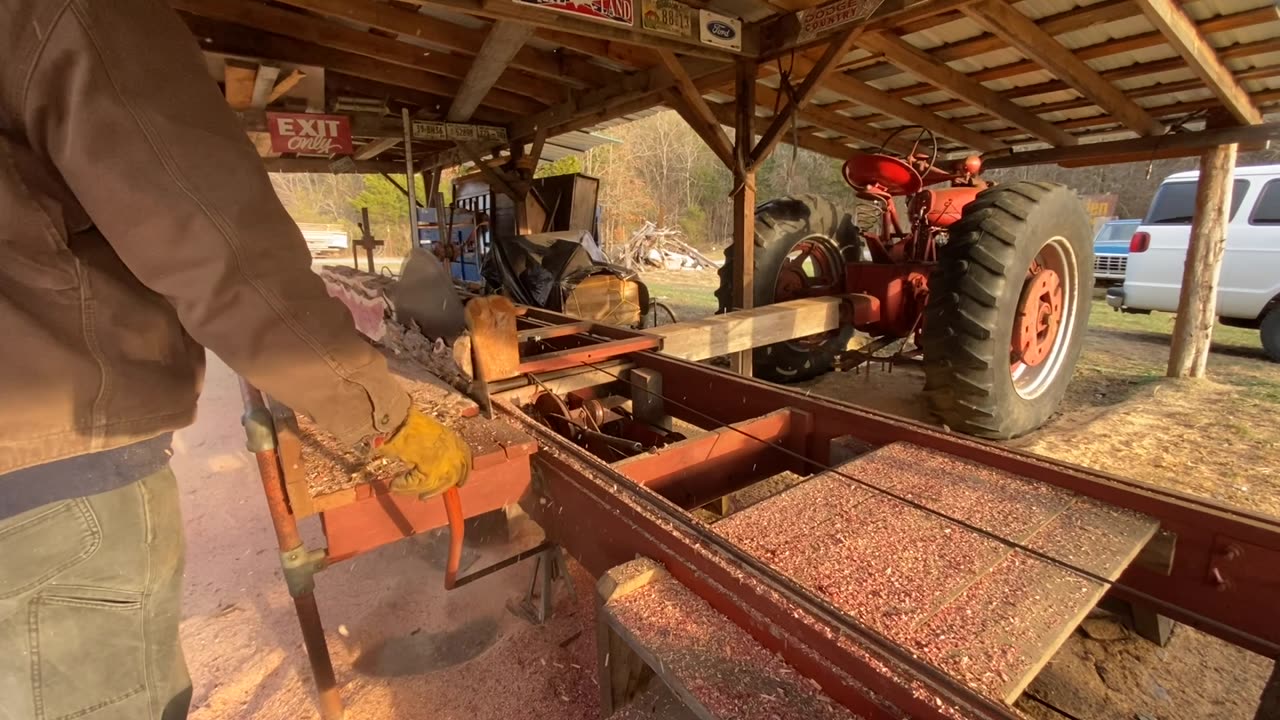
[[137, 228]]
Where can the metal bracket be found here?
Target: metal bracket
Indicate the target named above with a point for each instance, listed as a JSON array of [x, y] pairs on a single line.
[[300, 566], [259, 430], [535, 606]]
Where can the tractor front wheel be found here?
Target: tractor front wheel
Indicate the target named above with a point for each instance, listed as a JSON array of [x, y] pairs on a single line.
[[1008, 306]]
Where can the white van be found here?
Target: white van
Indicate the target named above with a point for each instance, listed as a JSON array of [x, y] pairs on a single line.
[[1249, 290]]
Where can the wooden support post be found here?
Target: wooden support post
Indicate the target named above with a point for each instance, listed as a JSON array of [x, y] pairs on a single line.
[[1198, 302], [744, 202], [410, 184]]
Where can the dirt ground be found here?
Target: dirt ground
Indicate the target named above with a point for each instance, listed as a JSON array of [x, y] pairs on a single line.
[[403, 648]]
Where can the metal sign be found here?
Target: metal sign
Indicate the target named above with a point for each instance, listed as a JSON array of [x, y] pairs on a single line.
[[309, 134], [670, 17], [461, 132], [614, 11], [720, 30], [817, 20]]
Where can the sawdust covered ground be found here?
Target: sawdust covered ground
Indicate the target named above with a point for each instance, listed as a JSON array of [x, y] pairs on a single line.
[[403, 648]]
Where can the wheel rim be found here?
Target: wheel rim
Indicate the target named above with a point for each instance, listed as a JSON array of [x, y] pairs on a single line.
[[812, 267], [1045, 318]]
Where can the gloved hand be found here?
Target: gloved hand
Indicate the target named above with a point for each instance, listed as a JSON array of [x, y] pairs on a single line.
[[438, 458]]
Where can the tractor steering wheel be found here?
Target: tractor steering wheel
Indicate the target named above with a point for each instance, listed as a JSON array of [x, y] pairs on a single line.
[[925, 135]]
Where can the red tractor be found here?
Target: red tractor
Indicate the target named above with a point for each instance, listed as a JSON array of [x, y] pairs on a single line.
[[992, 283]]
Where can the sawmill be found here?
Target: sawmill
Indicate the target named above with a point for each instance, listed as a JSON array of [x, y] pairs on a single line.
[[883, 568]]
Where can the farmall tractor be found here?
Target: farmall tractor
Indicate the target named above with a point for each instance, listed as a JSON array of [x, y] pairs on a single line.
[[991, 283]]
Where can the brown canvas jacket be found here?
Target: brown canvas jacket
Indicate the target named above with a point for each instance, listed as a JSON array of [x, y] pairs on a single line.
[[137, 228]]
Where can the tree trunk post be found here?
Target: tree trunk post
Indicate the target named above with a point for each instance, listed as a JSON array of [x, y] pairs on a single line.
[[1198, 301], [744, 202]]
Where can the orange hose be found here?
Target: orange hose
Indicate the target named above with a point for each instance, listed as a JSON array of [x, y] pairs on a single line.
[[453, 509]]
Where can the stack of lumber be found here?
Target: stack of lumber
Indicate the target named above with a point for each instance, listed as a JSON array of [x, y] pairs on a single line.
[[665, 248]]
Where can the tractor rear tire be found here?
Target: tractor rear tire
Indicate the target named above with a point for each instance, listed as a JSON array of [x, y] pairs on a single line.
[[781, 225], [973, 381]]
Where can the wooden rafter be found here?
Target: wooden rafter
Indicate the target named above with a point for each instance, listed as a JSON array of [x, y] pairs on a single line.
[[636, 35], [886, 103], [1022, 33], [1185, 38], [504, 40], [835, 50], [319, 31], [908, 57], [466, 40], [242, 41], [495, 177], [1188, 142], [694, 109], [375, 147]]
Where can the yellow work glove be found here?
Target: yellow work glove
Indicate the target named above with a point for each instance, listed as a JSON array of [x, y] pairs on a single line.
[[438, 458]]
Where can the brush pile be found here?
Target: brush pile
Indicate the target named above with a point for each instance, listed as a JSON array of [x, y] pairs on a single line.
[[664, 248]]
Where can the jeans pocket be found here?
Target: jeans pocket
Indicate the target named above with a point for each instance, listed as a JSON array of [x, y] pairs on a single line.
[[38, 545], [88, 655]]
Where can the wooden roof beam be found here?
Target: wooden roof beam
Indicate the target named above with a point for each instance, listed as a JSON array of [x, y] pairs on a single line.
[[320, 31], [901, 109], [1185, 38], [504, 39], [465, 40], [836, 49], [694, 109], [238, 40], [1188, 141], [635, 35], [908, 57], [1022, 33], [724, 114]]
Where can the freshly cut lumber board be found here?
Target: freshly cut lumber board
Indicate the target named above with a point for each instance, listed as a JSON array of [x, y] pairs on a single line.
[[745, 329], [988, 614], [711, 665]]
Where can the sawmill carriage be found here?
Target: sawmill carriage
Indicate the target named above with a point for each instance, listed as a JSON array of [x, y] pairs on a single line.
[[990, 282]]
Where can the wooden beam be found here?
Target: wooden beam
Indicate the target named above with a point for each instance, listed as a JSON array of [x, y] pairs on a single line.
[[744, 203], [263, 84], [914, 114], [697, 113], [373, 148], [1022, 33], [805, 138], [746, 329], [634, 35], [243, 41], [441, 33], [1172, 21], [495, 177], [1198, 299], [238, 79], [1186, 141], [918, 63], [284, 85], [338, 36], [836, 49], [505, 38], [324, 165], [782, 32]]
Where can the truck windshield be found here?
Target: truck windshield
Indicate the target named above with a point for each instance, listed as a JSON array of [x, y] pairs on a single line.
[[1175, 202]]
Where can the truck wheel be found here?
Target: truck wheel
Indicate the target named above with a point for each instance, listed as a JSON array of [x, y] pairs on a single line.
[[1270, 332], [1008, 306], [797, 254]]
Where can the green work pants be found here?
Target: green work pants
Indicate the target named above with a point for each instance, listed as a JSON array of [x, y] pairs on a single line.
[[90, 596]]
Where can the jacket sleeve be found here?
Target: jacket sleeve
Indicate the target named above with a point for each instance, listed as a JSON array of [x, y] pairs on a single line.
[[120, 99]]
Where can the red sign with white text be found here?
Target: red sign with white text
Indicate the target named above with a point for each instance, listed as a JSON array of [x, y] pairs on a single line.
[[309, 134]]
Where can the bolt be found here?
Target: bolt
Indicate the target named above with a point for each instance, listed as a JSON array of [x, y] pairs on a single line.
[[1231, 552], [1219, 582]]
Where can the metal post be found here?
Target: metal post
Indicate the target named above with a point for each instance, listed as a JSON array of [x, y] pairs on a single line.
[[408, 177], [366, 239], [300, 565]]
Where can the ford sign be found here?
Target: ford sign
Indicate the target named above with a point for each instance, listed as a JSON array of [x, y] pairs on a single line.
[[721, 30]]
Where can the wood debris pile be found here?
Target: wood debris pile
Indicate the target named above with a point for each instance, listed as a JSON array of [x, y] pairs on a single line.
[[664, 248]]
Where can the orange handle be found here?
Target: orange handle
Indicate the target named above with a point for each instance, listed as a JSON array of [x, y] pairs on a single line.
[[453, 509]]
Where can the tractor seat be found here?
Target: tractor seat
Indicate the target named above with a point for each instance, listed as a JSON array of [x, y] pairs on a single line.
[[893, 174]]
